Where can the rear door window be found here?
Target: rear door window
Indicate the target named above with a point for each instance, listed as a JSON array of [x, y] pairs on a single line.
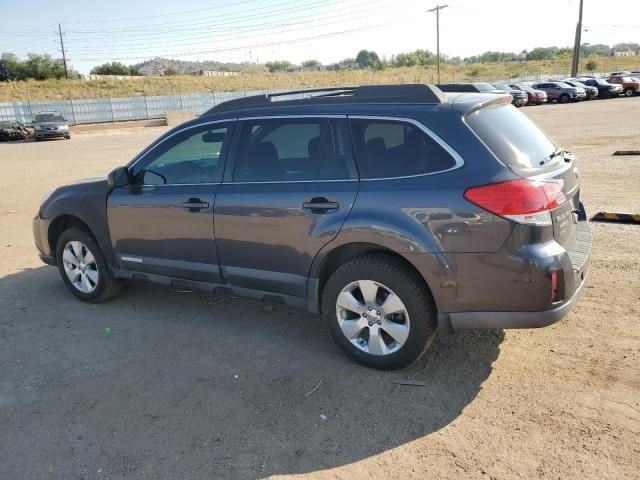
[[393, 148], [291, 149], [511, 136]]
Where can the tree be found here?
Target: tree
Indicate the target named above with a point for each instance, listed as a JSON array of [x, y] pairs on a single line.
[[311, 64], [543, 53], [592, 65], [113, 68], [42, 67], [278, 66], [10, 67], [170, 72], [368, 59]]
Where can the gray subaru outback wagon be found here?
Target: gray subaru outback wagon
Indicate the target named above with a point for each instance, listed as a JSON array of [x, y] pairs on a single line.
[[394, 211]]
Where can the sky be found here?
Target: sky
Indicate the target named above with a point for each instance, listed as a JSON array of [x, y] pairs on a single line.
[[95, 32]]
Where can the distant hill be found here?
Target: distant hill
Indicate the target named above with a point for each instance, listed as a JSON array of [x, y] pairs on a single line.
[[158, 66]]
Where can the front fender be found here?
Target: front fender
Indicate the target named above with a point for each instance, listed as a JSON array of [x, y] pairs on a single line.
[[87, 202]]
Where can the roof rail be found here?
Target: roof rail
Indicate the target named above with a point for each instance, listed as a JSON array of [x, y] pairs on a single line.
[[407, 93]]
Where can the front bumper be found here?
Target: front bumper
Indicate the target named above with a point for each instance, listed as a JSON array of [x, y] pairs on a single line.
[[41, 239], [51, 133]]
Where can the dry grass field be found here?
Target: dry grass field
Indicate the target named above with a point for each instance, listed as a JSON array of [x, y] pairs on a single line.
[[77, 89]]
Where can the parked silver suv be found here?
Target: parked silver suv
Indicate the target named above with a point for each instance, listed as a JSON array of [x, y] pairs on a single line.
[[561, 92]]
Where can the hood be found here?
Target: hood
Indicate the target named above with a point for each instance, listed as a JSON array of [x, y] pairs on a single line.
[[89, 180]]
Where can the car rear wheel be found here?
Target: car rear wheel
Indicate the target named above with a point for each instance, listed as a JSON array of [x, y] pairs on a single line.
[[564, 98], [83, 268], [379, 311], [629, 92]]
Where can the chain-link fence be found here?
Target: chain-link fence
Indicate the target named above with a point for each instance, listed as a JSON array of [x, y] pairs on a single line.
[[101, 110], [144, 107]]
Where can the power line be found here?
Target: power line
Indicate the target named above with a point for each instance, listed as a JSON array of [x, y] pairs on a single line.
[[216, 31], [183, 12], [268, 44], [229, 19], [144, 46]]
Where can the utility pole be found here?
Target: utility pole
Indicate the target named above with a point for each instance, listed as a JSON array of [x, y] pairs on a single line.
[[64, 56], [437, 9], [576, 45]]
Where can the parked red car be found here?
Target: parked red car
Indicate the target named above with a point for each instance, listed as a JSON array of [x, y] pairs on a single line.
[[630, 85], [536, 97]]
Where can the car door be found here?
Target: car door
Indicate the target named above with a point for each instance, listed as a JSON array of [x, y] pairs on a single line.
[[162, 223], [292, 184]]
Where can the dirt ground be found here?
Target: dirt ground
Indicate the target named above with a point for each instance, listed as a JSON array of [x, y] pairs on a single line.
[[159, 384]]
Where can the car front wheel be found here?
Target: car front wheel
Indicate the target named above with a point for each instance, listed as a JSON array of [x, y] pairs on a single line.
[[83, 268], [379, 311], [629, 92]]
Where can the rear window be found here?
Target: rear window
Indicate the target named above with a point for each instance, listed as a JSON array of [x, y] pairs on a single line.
[[511, 136], [485, 87]]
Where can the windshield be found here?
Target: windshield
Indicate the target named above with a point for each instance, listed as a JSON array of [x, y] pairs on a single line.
[[511, 136], [502, 86], [600, 82], [49, 117], [485, 87]]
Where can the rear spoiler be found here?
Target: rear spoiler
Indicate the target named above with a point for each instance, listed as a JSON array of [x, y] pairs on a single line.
[[470, 102]]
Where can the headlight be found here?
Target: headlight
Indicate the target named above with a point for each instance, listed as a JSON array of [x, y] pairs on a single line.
[[37, 127], [63, 127]]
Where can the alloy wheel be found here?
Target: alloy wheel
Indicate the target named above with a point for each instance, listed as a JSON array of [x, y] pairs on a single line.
[[80, 266], [372, 317]]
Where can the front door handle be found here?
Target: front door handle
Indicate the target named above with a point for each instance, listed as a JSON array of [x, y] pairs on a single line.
[[195, 204], [320, 205]]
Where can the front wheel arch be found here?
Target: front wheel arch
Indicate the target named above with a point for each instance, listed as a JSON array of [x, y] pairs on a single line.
[[61, 224]]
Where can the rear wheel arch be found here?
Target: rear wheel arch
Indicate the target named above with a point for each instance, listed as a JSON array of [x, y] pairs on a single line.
[[342, 254]]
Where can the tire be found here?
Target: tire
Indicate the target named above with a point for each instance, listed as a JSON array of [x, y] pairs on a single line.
[[95, 287], [413, 329], [68, 137], [629, 92], [564, 98]]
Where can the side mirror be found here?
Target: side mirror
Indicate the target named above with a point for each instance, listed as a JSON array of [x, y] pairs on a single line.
[[118, 177]]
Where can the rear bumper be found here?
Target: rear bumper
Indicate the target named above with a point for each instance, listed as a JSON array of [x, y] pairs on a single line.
[[573, 265], [487, 320]]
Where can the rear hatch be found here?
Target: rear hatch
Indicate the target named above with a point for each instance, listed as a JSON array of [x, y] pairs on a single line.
[[527, 151]]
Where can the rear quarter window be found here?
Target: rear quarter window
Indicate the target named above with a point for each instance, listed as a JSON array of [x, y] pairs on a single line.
[[511, 136], [393, 148]]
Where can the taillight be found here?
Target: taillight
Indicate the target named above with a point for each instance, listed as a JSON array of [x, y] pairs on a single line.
[[523, 201]]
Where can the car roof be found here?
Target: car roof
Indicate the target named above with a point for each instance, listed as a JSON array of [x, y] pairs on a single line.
[[335, 96]]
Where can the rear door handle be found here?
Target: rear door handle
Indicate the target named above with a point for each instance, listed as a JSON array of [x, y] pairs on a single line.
[[318, 205], [194, 204]]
